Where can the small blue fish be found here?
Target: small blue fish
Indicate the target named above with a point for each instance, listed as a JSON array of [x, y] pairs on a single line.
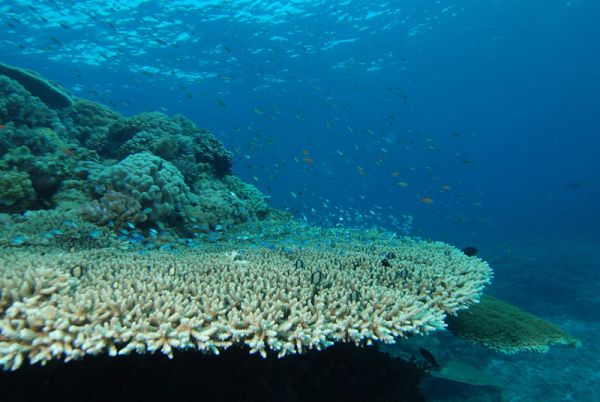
[[17, 241], [95, 234]]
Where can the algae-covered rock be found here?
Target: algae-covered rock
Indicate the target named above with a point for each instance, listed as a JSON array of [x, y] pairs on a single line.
[[506, 328], [49, 93]]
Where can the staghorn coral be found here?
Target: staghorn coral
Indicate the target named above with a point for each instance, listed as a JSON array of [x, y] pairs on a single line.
[[68, 305]]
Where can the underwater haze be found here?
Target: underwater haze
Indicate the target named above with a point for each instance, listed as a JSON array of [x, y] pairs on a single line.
[[471, 122], [496, 100]]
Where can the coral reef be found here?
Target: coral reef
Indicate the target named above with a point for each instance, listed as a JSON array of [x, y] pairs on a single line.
[[175, 139], [16, 190], [115, 207], [21, 108], [71, 304], [57, 229], [506, 328], [74, 153], [145, 185]]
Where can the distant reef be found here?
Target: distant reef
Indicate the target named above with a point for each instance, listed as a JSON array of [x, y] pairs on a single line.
[[63, 153]]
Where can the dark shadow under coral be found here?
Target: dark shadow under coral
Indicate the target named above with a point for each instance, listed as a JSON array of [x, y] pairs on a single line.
[[341, 373]]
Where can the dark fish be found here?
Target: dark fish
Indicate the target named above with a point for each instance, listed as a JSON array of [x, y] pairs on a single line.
[[427, 355], [469, 251], [159, 40], [56, 41]]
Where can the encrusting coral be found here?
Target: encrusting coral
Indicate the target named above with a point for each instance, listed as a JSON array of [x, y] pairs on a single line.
[[71, 304]]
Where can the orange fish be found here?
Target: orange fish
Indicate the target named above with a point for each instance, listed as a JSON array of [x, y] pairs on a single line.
[[2, 126], [426, 200], [308, 160]]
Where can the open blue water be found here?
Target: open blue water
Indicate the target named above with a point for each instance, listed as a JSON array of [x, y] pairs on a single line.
[[479, 119]]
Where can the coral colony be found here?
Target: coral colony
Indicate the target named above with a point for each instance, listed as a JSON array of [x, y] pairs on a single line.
[[130, 234]]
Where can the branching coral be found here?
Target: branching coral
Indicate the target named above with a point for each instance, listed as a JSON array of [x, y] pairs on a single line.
[[106, 301]]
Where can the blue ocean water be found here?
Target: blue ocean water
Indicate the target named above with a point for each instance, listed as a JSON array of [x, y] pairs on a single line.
[[478, 119]]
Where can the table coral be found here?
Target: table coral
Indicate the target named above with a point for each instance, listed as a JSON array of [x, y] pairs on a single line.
[[507, 328], [69, 305]]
